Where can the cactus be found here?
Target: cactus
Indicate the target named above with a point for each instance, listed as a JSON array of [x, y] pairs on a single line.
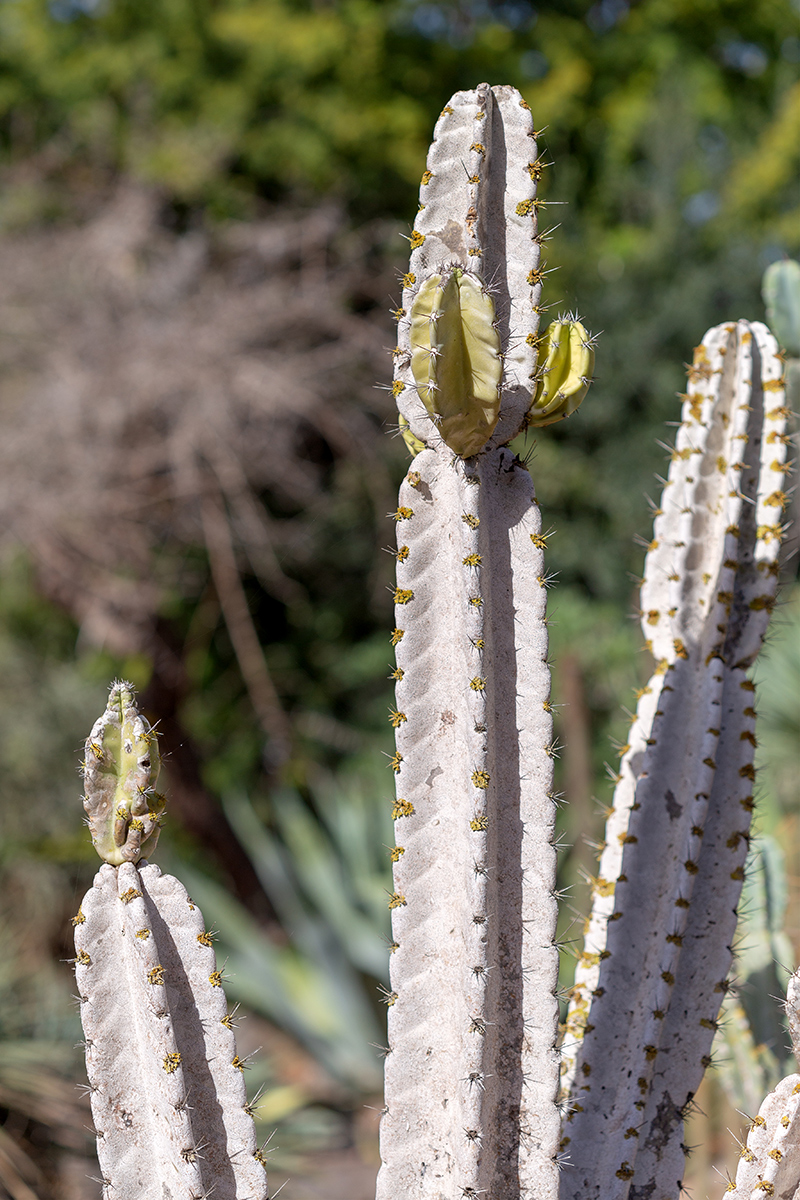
[[657, 953], [166, 1084], [769, 1163], [781, 290], [471, 1075]]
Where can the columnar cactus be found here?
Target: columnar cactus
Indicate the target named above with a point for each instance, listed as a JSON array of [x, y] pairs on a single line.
[[166, 1084], [769, 1162], [472, 1073], [654, 968]]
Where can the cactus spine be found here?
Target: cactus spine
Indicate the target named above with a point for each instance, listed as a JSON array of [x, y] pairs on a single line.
[[472, 1073], [167, 1089]]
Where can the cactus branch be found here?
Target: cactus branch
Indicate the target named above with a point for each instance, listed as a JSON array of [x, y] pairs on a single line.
[[167, 1093], [472, 1076], [653, 972]]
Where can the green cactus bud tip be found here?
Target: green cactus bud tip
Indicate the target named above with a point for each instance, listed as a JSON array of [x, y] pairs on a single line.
[[781, 292], [120, 773], [455, 358], [566, 358]]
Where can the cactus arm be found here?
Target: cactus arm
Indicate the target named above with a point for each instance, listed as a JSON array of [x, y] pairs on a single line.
[[793, 1012], [701, 978], [769, 1162], [472, 1074], [781, 290], [167, 1090], [136, 1072], [671, 873], [168, 1101]]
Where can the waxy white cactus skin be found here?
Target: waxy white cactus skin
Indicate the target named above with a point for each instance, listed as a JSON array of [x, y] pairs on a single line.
[[472, 1070], [472, 1075], [653, 972], [167, 1089]]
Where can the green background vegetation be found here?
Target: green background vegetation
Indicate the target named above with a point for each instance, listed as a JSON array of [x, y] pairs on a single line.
[[673, 130]]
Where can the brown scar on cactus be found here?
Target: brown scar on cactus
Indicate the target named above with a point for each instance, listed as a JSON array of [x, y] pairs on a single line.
[[142, 949]]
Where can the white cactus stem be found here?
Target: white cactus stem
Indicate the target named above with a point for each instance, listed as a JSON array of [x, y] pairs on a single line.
[[472, 1075], [653, 973], [769, 1162], [167, 1088], [478, 212]]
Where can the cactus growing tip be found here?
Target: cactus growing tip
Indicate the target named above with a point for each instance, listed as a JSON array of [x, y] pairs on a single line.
[[120, 770]]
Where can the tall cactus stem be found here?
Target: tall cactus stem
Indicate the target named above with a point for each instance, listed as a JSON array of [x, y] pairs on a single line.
[[472, 1074], [167, 1090], [653, 972]]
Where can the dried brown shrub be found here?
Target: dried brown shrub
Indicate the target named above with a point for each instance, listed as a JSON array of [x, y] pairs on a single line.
[[154, 385]]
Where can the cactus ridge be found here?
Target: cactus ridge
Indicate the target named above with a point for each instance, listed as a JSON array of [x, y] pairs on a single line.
[[472, 1074], [658, 940]]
